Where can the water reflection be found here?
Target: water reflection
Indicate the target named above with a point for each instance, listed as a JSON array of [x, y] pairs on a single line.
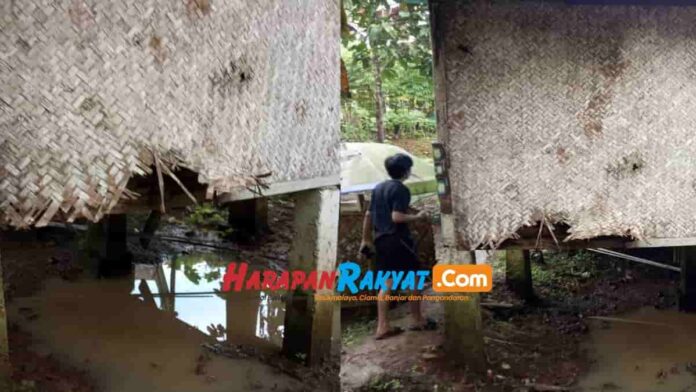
[[189, 287]]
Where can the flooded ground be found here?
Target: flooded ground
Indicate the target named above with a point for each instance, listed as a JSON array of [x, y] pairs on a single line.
[[144, 332], [189, 287], [643, 351]]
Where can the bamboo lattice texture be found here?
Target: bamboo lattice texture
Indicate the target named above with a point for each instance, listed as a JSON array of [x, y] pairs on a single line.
[[91, 90], [584, 115]]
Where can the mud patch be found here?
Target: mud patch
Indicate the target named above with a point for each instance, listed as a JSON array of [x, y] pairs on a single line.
[[33, 371], [159, 49], [233, 76], [301, 111], [644, 350], [198, 6], [628, 166], [562, 155]]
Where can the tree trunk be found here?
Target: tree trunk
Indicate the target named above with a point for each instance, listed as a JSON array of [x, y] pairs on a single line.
[[379, 96]]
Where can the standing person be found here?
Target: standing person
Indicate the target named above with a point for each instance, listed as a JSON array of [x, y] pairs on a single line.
[[388, 217]]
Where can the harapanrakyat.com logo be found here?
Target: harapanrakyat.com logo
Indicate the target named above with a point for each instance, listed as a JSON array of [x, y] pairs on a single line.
[[349, 278]]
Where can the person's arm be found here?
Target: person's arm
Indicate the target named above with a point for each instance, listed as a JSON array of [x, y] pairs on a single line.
[[400, 217], [367, 228], [400, 214], [366, 241]]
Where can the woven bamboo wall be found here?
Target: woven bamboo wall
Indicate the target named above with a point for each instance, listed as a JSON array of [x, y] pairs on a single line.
[[584, 115], [92, 90]]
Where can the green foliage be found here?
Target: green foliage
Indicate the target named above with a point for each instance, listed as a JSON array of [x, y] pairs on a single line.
[[397, 35], [357, 332], [564, 273], [206, 216], [385, 384], [190, 264], [410, 122]]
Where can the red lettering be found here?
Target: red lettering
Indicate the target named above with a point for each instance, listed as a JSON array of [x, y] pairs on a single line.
[[311, 282], [327, 280], [298, 277], [234, 277], [254, 281], [269, 278], [283, 282]]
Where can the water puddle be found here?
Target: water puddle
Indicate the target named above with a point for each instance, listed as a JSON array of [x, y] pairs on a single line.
[[144, 332], [190, 288], [646, 350]]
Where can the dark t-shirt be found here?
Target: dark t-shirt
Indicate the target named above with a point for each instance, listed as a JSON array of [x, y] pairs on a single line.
[[388, 196]]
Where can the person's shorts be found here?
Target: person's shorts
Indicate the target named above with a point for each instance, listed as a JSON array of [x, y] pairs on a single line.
[[395, 253]]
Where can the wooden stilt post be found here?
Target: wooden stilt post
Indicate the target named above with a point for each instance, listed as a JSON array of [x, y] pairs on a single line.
[[463, 325], [5, 366], [250, 215], [518, 273], [150, 227], [686, 256], [309, 330], [107, 242]]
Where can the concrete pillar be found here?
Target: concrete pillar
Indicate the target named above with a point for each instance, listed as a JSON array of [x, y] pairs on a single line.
[[242, 313], [309, 324], [250, 215], [463, 324], [518, 273], [686, 257], [5, 366]]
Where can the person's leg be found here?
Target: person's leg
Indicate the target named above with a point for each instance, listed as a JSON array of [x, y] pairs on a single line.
[[417, 310], [383, 309]]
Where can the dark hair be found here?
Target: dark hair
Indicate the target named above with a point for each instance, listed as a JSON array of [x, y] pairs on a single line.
[[397, 165]]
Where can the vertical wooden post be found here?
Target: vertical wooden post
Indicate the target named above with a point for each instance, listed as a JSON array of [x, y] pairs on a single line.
[[686, 256], [5, 366], [107, 242], [463, 324], [150, 227], [518, 273], [309, 331], [250, 215]]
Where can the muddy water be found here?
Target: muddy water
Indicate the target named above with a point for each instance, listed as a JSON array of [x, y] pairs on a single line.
[[650, 351], [144, 332], [190, 289]]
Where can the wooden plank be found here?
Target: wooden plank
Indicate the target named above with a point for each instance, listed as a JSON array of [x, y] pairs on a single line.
[[662, 242], [281, 188], [531, 244]]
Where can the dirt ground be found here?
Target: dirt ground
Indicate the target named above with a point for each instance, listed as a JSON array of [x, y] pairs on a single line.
[[527, 345]]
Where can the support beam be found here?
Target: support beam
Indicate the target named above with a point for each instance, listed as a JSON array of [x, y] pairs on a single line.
[[249, 215], [686, 257], [518, 273], [463, 325], [309, 329], [5, 366]]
